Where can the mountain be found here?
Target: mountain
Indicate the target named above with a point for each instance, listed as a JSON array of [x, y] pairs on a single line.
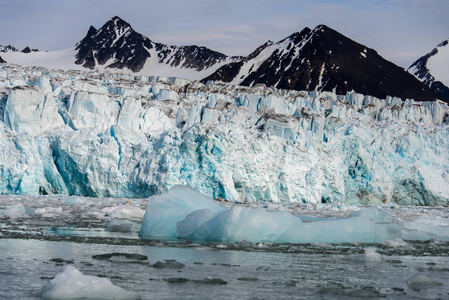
[[433, 69], [8, 48], [116, 45], [322, 59], [29, 50], [2, 61]]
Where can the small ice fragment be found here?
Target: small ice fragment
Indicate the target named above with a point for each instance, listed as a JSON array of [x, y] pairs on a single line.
[[370, 256], [420, 282], [396, 243], [127, 212], [72, 284], [121, 225], [16, 210]]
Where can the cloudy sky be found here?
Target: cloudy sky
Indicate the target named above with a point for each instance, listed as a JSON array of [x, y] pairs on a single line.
[[400, 30]]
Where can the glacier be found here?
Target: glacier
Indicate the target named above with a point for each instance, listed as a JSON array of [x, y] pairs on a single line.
[[121, 135]]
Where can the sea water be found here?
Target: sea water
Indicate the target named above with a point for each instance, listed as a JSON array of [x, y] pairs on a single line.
[[41, 236]]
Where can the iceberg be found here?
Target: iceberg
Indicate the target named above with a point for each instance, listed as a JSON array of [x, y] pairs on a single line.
[[187, 214], [111, 135]]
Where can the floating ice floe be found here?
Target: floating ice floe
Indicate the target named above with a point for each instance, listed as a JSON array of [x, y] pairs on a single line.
[[72, 284], [421, 282]]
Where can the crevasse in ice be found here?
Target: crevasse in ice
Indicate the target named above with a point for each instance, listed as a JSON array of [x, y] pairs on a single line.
[[119, 135]]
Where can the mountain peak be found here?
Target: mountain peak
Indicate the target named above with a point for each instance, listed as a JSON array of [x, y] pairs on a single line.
[[323, 59], [431, 69], [115, 28], [8, 48], [118, 22], [116, 45]]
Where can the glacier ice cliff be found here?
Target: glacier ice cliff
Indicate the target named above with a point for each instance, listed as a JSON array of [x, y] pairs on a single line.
[[116, 135]]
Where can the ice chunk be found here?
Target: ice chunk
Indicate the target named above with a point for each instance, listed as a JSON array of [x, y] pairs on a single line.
[[420, 282], [127, 212], [72, 284], [396, 243], [121, 225], [370, 256], [165, 210], [16, 210]]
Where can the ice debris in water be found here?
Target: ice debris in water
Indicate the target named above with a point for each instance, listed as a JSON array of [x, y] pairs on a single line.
[[370, 256], [127, 212], [420, 282], [122, 225], [72, 284], [16, 210], [396, 243], [186, 213]]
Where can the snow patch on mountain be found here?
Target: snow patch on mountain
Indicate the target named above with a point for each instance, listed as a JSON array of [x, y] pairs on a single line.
[[432, 70], [438, 65], [62, 59]]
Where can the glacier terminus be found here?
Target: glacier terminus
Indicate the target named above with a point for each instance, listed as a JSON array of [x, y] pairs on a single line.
[[123, 135]]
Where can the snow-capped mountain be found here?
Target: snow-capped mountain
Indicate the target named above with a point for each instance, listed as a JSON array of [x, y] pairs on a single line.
[[320, 59], [117, 46], [324, 60], [8, 48], [433, 69]]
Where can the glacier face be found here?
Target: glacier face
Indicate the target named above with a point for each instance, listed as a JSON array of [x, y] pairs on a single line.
[[92, 134]]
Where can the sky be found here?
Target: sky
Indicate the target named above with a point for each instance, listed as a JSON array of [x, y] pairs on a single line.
[[399, 30]]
